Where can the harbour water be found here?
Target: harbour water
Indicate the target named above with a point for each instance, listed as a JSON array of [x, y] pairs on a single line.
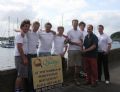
[[7, 56]]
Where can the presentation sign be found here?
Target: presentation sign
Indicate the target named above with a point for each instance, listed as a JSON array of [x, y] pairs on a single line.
[[47, 71]]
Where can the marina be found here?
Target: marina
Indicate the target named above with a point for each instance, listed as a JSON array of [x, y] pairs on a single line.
[[7, 56]]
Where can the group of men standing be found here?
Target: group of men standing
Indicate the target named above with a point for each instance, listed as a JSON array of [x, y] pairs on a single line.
[[88, 51], [85, 50]]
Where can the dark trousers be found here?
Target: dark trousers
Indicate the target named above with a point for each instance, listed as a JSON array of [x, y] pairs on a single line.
[[103, 63], [30, 76], [64, 67], [64, 64]]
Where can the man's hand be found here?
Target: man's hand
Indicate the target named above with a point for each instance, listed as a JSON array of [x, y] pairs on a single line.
[[77, 43], [25, 61], [54, 33], [83, 51], [17, 30], [62, 54], [106, 52]]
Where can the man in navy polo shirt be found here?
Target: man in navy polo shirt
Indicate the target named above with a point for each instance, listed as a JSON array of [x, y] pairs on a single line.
[[90, 53]]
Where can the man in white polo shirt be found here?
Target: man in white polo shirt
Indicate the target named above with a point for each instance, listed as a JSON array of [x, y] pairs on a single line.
[[104, 46], [32, 45], [21, 60], [46, 39], [82, 29], [60, 47], [33, 39], [75, 38]]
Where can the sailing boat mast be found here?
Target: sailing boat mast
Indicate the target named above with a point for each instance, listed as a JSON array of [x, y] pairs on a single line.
[[8, 43], [62, 19], [41, 23], [8, 26], [17, 23]]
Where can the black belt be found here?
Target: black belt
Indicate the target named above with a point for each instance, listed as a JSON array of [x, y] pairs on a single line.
[[32, 55], [101, 51], [20, 56]]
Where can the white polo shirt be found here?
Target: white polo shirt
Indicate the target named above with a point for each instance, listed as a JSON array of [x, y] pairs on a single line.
[[33, 39], [23, 40], [45, 41], [59, 44], [104, 40], [75, 36], [84, 33]]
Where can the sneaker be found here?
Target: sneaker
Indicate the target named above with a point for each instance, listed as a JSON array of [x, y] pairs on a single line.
[[19, 90], [107, 82], [77, 83]]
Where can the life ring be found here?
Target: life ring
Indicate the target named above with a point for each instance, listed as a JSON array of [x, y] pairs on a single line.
[[37, 63]]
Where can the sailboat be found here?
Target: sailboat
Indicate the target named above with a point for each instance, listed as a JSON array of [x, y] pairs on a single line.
[[9, 42]]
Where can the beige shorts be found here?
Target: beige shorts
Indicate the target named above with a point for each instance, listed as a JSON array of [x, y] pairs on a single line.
[[74, 58]]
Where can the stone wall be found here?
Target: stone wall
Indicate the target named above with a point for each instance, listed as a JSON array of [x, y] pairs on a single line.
[[114, 58], [114, 55], [7, 80]]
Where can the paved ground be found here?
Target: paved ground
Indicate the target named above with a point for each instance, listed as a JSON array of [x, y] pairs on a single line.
[[102, 87], [114, 86]]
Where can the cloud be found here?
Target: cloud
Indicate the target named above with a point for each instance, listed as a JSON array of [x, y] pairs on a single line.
[[91, 12], [59, 6], [110, 19], [15, 17], [15, 9], [19, 14], [43, 9]]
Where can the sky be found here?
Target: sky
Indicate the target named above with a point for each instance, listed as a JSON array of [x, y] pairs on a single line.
[[60, 12]]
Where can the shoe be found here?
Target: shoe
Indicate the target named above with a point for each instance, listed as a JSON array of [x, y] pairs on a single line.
[[98, 80], [65, 84], [94, 85], [107, 82], [77, 83], [87, 83]]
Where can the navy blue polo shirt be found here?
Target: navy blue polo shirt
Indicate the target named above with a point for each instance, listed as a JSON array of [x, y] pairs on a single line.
[[88, 42]]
